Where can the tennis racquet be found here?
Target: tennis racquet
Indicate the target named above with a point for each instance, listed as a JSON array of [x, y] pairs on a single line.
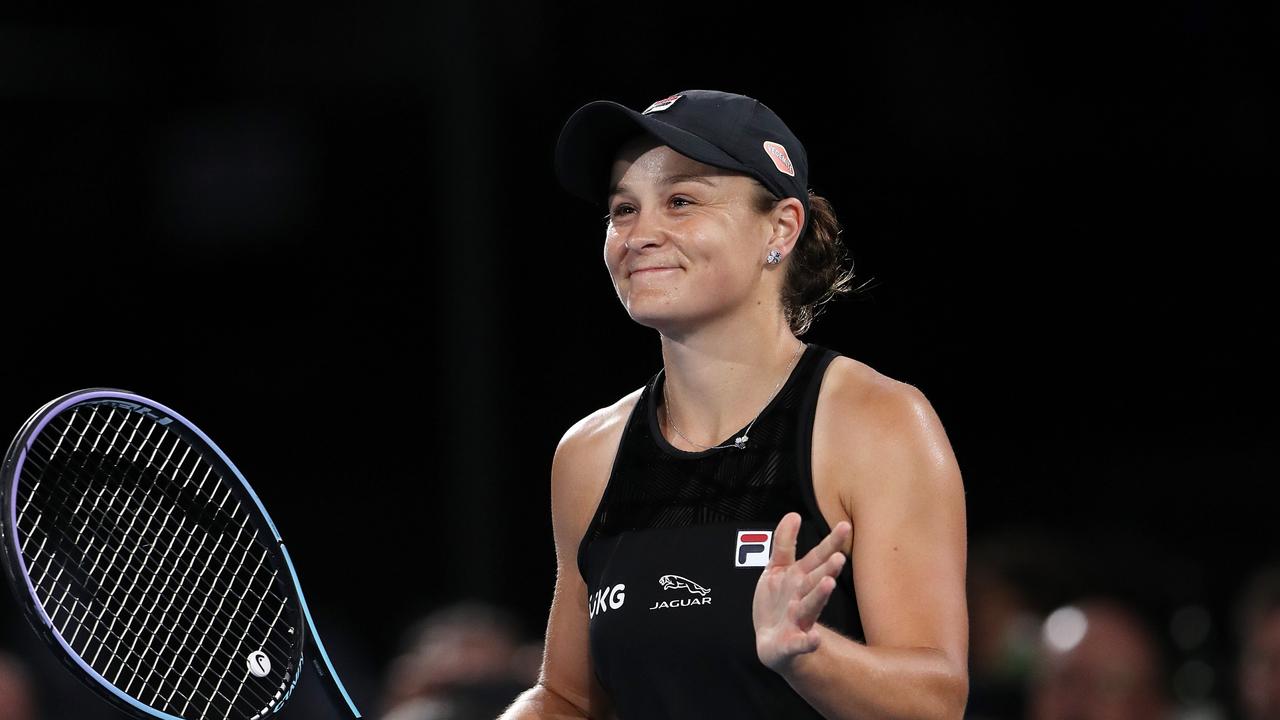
[[147, 563]]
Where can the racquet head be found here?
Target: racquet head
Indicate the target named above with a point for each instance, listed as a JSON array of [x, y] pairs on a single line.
[[147, 563]]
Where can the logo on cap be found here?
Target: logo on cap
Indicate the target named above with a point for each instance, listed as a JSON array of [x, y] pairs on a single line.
[[662, 104], [778, 155]]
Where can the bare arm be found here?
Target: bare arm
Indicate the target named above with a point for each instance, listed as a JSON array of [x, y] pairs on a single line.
[[902, 489], [567, 686], [561, 691]]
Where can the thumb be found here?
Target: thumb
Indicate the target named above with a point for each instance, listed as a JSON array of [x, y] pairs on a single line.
[[784, 540]]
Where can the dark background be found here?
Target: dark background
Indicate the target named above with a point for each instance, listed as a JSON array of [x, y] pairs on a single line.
[[332, 237]]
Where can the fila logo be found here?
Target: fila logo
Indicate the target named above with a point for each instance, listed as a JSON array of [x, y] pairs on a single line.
[[605, 599], [753, 548], [778, 155], [662, 104]]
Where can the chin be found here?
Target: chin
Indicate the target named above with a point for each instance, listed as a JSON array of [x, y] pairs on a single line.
[[663, 315], [649, 318]]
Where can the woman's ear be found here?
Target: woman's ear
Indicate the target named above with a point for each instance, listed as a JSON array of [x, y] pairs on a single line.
[[786, 219]]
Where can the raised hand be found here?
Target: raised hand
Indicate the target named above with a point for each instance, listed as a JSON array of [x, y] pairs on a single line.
[[791, 594]]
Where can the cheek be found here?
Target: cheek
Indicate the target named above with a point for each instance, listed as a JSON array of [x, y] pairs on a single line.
[[613, 251], [731, 272]]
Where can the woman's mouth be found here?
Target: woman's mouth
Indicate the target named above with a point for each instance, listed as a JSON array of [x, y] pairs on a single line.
[[652, 271]]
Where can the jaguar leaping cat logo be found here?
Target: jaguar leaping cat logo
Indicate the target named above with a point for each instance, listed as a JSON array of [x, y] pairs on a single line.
[[675, 582]]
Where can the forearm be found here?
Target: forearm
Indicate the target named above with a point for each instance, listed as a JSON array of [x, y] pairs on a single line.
[[539, 703], [844, 680]]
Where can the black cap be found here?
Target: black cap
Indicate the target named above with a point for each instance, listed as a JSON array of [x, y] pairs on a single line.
[[716, 128]]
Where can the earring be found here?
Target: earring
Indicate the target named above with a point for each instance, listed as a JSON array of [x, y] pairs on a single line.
[[775, 257]]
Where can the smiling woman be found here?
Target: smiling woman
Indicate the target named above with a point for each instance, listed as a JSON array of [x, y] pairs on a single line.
[[708, 564], [817, 270]]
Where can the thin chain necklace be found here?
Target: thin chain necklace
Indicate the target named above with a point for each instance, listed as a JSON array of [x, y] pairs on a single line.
[[739, 442]]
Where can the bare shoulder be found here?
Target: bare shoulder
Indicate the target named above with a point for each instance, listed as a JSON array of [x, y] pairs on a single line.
[[871, 430], [869, 401], [583, 460]]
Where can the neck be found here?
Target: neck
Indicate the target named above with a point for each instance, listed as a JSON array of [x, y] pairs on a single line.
[[719, 379]]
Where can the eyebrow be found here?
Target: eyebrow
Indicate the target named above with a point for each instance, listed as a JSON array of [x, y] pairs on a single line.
[[668, 180]]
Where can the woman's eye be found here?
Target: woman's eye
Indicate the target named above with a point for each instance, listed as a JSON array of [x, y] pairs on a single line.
[[625, 209]]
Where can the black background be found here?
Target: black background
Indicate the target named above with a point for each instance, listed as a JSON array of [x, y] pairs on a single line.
[[333, 239]]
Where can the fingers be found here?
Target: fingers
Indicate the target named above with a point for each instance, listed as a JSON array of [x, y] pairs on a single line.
[[830, 568], [834, 542], [784, 540], [810, 606]]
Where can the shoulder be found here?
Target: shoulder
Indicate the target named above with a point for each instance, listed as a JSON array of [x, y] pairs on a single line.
[[596, 435], [864, 401], [873, 434], [583, 460]]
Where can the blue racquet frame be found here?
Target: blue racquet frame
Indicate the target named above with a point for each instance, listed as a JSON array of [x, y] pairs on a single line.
[[29, 598]]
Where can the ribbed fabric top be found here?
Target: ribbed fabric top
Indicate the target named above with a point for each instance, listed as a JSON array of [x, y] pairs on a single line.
[[673, 553]]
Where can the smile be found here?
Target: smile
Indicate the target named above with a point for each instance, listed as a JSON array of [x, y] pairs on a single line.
[[649, 271]]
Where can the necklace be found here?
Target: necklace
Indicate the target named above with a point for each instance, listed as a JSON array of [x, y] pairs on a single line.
[[738, 442]]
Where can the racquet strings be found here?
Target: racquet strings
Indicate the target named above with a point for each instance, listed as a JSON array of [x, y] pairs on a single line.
[[149, 568]]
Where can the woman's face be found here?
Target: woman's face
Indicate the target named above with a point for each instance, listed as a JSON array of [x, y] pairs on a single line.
[[684, 244]]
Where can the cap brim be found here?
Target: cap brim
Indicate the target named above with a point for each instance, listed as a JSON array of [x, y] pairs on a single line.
[[591, 137]]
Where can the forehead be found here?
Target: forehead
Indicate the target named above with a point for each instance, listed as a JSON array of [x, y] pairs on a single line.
[[646, 158]]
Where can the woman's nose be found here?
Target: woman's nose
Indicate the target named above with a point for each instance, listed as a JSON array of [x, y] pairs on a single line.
[[646, 230]]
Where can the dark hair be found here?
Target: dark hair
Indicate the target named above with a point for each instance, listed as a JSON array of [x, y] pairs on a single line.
[[819, 268]]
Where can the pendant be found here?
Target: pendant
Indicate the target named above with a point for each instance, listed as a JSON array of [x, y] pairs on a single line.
[[740, 442]]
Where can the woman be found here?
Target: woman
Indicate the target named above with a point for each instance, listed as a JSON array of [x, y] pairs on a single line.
[[702, 522]]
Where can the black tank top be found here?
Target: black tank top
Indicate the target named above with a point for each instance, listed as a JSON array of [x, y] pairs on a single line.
[[673, 553]]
